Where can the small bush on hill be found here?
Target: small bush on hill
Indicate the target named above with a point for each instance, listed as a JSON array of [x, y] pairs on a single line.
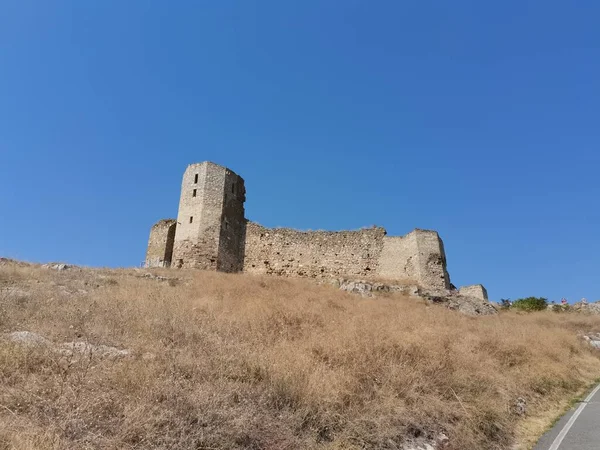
[[561, 308], [531, 304]]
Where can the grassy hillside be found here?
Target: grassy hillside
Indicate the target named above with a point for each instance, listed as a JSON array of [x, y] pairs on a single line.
[[232, 361]]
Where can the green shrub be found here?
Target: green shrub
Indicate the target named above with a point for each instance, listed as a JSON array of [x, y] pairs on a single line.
[[531, 304]]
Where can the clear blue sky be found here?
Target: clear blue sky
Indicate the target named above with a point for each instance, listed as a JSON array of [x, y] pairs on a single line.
[[476, 119]]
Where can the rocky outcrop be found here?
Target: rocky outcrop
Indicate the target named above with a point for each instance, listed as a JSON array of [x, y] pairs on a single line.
[[368, 289], [70, 349], [472, 306], [28, 339], [151, 276], [588, 308], [66, 349], [451, 299], [438, 442], [593, 339], [56, 266]]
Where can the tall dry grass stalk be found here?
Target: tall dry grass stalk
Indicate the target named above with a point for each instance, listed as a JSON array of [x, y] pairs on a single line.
[[232, 361]]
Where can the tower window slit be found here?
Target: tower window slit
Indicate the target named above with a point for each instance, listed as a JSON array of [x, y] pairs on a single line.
[[191, 219], [196, 179], [194, 193]]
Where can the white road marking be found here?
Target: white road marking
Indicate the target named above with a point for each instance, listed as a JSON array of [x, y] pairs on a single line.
[[572, 420]]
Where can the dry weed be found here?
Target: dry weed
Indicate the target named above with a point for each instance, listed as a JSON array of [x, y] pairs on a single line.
[[233, 361]]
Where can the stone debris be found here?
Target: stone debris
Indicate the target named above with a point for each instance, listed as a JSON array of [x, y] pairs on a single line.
[[424, 446], [357, 287], [28, 339], [67, 349], [53, 266], [593, 340], [520, 406], [157, 277], [367, 289], [442, 441], [439, 443], [472, 306], [587, 308], [70, 349], [451, 299]]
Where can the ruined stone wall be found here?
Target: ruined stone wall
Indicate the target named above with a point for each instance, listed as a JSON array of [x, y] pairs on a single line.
[[210, 219], [212, 233], [160, 243], [417, 257], [233, 225], [283, 251], [475, 290], [431, 260], [398, 260]]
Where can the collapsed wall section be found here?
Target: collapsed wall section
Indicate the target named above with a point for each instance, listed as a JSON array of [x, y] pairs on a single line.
[[416, 257], [474, 290], [432, 260], [160, 243], [288, 252]]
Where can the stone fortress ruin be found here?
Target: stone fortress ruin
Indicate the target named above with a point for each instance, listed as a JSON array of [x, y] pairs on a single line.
[[212, 233]]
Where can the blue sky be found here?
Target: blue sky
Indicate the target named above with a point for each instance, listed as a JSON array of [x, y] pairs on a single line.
[[476, 119]]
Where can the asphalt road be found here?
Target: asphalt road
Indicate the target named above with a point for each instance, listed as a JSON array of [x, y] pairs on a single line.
[[579, 429]]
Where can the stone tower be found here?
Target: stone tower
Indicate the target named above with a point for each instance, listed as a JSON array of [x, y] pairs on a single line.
[[210, 222]]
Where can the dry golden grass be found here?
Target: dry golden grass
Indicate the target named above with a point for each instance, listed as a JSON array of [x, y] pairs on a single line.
[[232, 361]]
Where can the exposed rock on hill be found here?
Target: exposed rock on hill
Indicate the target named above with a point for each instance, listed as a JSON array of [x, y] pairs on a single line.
[[589, 308], [368, 288], [469, 305], [67, 349], [451, 299], [58, 266], [29, 339]]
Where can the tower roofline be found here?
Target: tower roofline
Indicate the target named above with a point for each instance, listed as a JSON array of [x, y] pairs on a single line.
[[210, 163]]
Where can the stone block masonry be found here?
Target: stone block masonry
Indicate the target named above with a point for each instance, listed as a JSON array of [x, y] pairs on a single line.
[[160, 244], [283, 251], [212, 233], [210, 222], [417, 257], [475, 290]]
